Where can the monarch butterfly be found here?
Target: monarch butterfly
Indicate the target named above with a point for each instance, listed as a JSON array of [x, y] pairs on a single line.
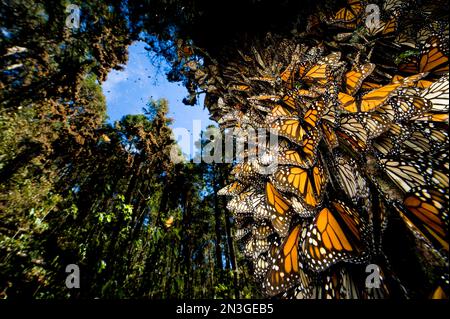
[[239, 87], [395, 5], [406, 104], [370, 86], [253, 247], [289, 100], [329, 135], [432, 117], [311, 93], [241, 233], [425, 211], [262, 230], [280, 214], [288, 75], [286, 270], [320, 72], [421, 84], [415, 173], [336, 283], [309, 146], [313, 115], [279, 112], [346, 17], [358, 129], [426, 137], [232, 189], [293, 157], [379, 222], [290, 128], [300, 209], [407, 37], [244, 171], [390, 26], [349, 177], [239, 207], [369, 101], [418, 137], [438, 93], [438, 29], [390, 142], [354, 78], [335, 235], [261, 266], [258, 202], [432, 60], [308, 184], [382, 27]]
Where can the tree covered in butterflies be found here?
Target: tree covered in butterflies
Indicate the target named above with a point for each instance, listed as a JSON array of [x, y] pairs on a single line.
[[358, 98]]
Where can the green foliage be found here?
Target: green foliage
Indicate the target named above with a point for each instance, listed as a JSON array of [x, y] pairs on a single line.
[[75, 190]]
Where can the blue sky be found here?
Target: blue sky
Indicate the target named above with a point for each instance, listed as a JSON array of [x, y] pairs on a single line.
[[128, 91]]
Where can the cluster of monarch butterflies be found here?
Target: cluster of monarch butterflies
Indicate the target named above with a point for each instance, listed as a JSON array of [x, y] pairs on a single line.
[[360, 115]]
